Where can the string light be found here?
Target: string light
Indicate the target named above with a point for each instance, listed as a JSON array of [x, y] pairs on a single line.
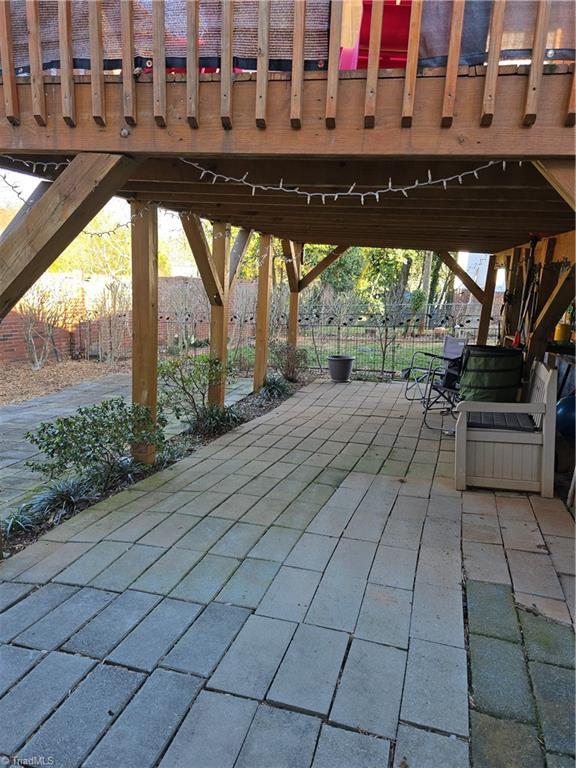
[[325, 197]]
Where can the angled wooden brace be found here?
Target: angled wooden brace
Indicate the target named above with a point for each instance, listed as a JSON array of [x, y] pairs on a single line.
[[53, 216], [463, 276], [239, 248], [203, 257], [340, 250], [292, 257]]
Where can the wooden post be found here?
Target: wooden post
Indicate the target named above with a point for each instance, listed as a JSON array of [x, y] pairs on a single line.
[[292, 337], [219, 312], [263, 311], [489, 287], [144, 315]]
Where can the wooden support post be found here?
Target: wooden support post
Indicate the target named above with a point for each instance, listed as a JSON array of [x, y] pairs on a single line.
[[292, 336], [263, 311], [8, 74], [51, 221], [144, 316], [514, 290], [219, 312], [489, 287], [67, 92]]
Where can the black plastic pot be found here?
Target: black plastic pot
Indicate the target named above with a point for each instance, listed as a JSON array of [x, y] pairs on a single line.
[[340, 367]]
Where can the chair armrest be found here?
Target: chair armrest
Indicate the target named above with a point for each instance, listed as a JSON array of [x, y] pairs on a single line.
[[476, 406]]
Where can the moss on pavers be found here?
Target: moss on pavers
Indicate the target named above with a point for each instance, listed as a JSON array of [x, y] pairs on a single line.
[[559, 761], [503, 743], [547, 640], [491, 611], [554, 693], [500, 684]]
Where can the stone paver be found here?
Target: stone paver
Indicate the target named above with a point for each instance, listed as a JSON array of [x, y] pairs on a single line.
[[24, 707], [212, 733], [491, 611], [249, 666], [342, 749], [500, 684], [307, 676], [70, 734], [279, 738], [429, 750], [554, 693], [153, 637], [303, 576], [202, 646], [139, 735], [436, 689], [369, 693], [504, 743]]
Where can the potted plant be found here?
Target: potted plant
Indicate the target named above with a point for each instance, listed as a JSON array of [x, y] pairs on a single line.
[[340, 367]]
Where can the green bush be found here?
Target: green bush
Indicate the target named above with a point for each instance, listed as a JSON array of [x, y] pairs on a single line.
[[95, 442], [212, 420], [58, 501], [184, 383], [290, 361], [274, 387]]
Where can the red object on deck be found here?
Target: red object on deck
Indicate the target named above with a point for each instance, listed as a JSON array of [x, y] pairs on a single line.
[[395, 29]]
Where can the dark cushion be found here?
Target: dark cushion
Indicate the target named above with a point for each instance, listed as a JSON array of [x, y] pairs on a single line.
[[516, 422]]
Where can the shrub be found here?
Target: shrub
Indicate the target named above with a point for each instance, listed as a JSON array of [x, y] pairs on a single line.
[[211, 420], [95, 442], [290, 361], [274, 387], [58, 501], [185, 382]]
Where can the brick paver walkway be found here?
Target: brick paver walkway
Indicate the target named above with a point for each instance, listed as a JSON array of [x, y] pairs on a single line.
[[16, 479], [292, 595]]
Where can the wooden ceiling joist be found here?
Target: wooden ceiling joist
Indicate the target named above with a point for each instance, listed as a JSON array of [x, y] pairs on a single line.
[[54, 216], [194, 232]]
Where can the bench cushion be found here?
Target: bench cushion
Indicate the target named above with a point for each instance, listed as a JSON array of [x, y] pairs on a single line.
[[515, 422]]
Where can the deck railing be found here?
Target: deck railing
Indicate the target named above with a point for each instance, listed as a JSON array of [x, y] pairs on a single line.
[[125, 41]]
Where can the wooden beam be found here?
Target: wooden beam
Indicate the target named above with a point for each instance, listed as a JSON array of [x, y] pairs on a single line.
[[321, 266], [412, 63], [571, 109], [262, 62], [192, 61], [463, 276], [490, 285], [491, 77], [239, 248], [292, 335], [196, 237], [226, 53], [550, 314], [560, 174], [219, 312], [54, 219], [66, 63], [297, 78], [96, 61], [128, 84], [144, 316], [159, 62], [11, 105], [35, 56], [373, 66], [514, 290], [333, 62], [263, 311], [537, 63], [292, 258], [452, 64]]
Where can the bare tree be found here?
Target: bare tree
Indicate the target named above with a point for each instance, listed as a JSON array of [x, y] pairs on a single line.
[[112, 314], [42, 313], [185, 305]]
